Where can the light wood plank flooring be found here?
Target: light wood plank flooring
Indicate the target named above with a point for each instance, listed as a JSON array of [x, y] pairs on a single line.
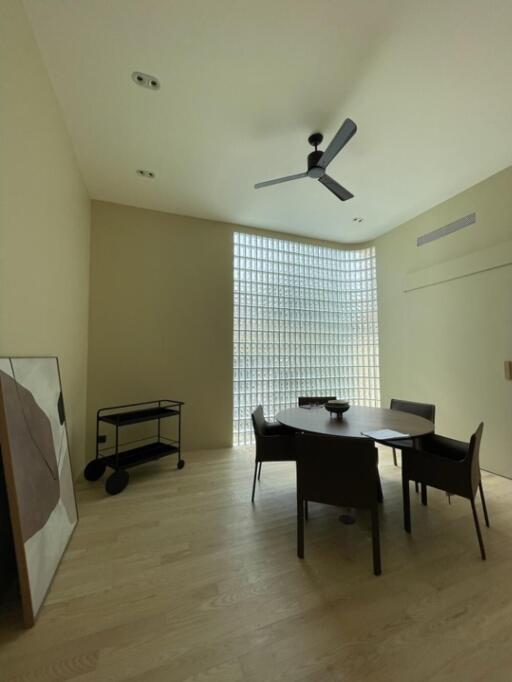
[[180, 578]]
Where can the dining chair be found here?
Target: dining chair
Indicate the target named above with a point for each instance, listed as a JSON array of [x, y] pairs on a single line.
[[425, 410], [343, 474], [448, 465], [305, 400], [313, 401], [274, 443]]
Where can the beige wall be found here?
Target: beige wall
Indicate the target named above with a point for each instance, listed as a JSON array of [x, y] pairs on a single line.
[[161, 321], [445, 340], [44, 223]]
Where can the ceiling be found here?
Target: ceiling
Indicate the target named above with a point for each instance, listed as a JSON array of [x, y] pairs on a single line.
[[244, 83]]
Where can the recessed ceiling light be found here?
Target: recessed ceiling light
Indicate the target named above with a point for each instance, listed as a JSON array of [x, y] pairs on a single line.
[[147, 81], [357, 219], [145, 173]]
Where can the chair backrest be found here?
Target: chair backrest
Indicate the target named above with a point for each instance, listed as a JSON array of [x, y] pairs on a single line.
[[258, 422], [272, 444], [337, 471], [305, 400], [474, 456], [425, 410]]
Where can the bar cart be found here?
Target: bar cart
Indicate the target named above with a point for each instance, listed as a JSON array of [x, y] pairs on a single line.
[[122, 456]]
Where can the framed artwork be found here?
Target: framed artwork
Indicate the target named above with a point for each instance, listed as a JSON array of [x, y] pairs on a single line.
[[38, 479]]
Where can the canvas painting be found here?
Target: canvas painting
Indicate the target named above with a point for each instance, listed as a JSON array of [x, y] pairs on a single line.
[[35, 455]]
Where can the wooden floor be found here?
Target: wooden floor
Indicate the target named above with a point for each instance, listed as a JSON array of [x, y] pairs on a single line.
[[181, 578]]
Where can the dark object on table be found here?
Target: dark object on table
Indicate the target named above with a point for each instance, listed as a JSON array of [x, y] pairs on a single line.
[[448, 465], [274, 443], [337, 407], [343, 479], [305, 401], [122, 456]]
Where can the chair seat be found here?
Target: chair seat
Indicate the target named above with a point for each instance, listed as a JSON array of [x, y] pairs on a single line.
[[400, 444], [445, 447], [276, 429]]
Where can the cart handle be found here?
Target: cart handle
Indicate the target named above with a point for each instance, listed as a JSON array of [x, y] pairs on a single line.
[[147, 402]]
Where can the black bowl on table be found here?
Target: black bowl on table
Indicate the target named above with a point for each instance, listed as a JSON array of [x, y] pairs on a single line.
[[337, 407]]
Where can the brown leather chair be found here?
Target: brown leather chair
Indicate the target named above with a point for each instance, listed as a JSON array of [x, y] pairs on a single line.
[[425, 410], [274, 443], [340, 473], [313, 401], [420, 409], [448, 465], [304, 400]]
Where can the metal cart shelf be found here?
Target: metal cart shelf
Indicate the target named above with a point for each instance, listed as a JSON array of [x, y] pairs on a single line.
[[122, 456]]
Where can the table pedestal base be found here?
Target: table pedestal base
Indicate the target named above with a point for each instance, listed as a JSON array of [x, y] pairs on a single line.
[[347, 519]]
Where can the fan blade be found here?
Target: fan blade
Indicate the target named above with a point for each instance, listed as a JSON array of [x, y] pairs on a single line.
[[278, 180], [335, 187], [347, 130]]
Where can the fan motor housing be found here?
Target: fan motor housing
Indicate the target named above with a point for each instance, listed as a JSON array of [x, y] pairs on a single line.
[[314, 170]]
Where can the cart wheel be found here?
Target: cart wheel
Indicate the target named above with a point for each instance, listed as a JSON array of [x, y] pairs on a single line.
[[117, 482], [181, 463], [94, 470]]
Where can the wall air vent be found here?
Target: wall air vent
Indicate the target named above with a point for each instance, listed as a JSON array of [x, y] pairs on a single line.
[[446, 229]]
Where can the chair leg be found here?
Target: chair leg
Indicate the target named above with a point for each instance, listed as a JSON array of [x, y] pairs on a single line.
[[380, 496], [259, 471], [416, 486], [300, 527], [407, 503], [376, 541], [306, 510], [478, 532], [424, 494], [482, 498], [254, 480], [394, 457]]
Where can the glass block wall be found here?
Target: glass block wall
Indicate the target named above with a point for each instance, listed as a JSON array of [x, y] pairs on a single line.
[[305, 323]]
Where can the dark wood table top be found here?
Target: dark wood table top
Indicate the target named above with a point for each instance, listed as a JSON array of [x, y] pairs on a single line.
[[355, 420]]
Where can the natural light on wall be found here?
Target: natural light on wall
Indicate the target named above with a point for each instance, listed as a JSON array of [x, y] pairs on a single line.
[[305, 323]]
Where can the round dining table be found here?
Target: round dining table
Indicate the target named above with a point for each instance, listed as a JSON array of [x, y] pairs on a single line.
[[354, 423]]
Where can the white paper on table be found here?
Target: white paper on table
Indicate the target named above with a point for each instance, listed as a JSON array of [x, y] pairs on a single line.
[[385, 434]]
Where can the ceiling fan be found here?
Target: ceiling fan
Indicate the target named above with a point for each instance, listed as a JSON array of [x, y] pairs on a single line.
[[318, 161]]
